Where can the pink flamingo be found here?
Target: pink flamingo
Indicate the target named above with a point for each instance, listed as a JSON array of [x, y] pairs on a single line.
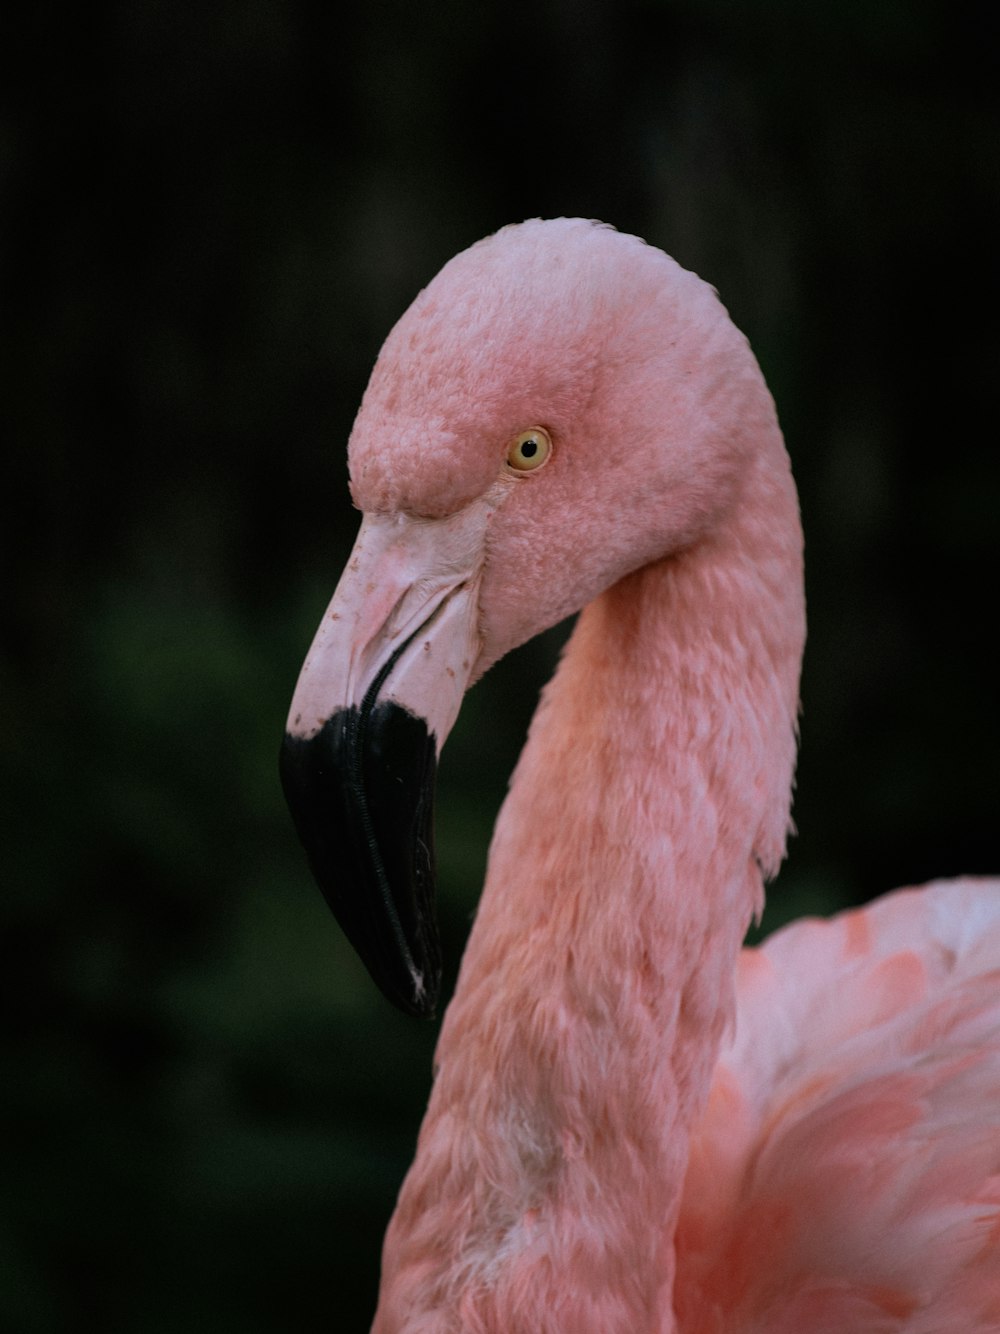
[[635, 1125]]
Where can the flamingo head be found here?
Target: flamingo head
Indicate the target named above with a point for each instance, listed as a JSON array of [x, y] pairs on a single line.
[[560, 406]]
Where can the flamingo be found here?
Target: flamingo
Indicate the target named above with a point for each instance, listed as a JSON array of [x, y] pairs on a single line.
[[635, 1125]]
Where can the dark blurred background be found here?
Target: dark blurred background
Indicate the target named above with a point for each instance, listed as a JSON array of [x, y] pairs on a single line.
[[210, 216]]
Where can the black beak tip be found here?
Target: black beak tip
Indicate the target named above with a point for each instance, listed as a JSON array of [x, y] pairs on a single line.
[[360, 792]]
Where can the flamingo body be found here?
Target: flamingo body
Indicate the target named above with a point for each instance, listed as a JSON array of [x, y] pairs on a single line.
[[846, 1172], [634, 1126]]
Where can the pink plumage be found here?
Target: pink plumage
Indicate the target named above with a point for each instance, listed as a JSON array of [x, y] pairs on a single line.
[[634, 1126], [846, 1172]]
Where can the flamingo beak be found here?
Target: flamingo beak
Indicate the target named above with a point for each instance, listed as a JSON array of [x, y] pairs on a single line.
[[377, 695]]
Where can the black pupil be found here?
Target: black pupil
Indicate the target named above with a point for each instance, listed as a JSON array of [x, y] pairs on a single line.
[[529, 448]]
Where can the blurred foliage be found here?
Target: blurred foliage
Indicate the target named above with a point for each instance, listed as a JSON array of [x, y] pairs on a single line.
[[211, 215]]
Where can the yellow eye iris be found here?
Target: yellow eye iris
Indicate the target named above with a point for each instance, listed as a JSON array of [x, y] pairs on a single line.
[[529, 450]]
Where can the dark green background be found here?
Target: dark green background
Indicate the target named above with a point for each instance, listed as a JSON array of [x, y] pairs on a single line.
[[210, 217]]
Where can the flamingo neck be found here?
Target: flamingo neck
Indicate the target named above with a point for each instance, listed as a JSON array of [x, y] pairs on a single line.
[[598, 979]]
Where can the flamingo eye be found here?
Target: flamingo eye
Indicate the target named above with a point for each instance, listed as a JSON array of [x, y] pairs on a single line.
[[529, 450]]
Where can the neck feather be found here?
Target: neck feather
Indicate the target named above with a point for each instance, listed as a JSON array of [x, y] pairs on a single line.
[[650, 801]]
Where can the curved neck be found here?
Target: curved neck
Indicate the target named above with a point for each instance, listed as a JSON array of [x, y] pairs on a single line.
[[627, 862]]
